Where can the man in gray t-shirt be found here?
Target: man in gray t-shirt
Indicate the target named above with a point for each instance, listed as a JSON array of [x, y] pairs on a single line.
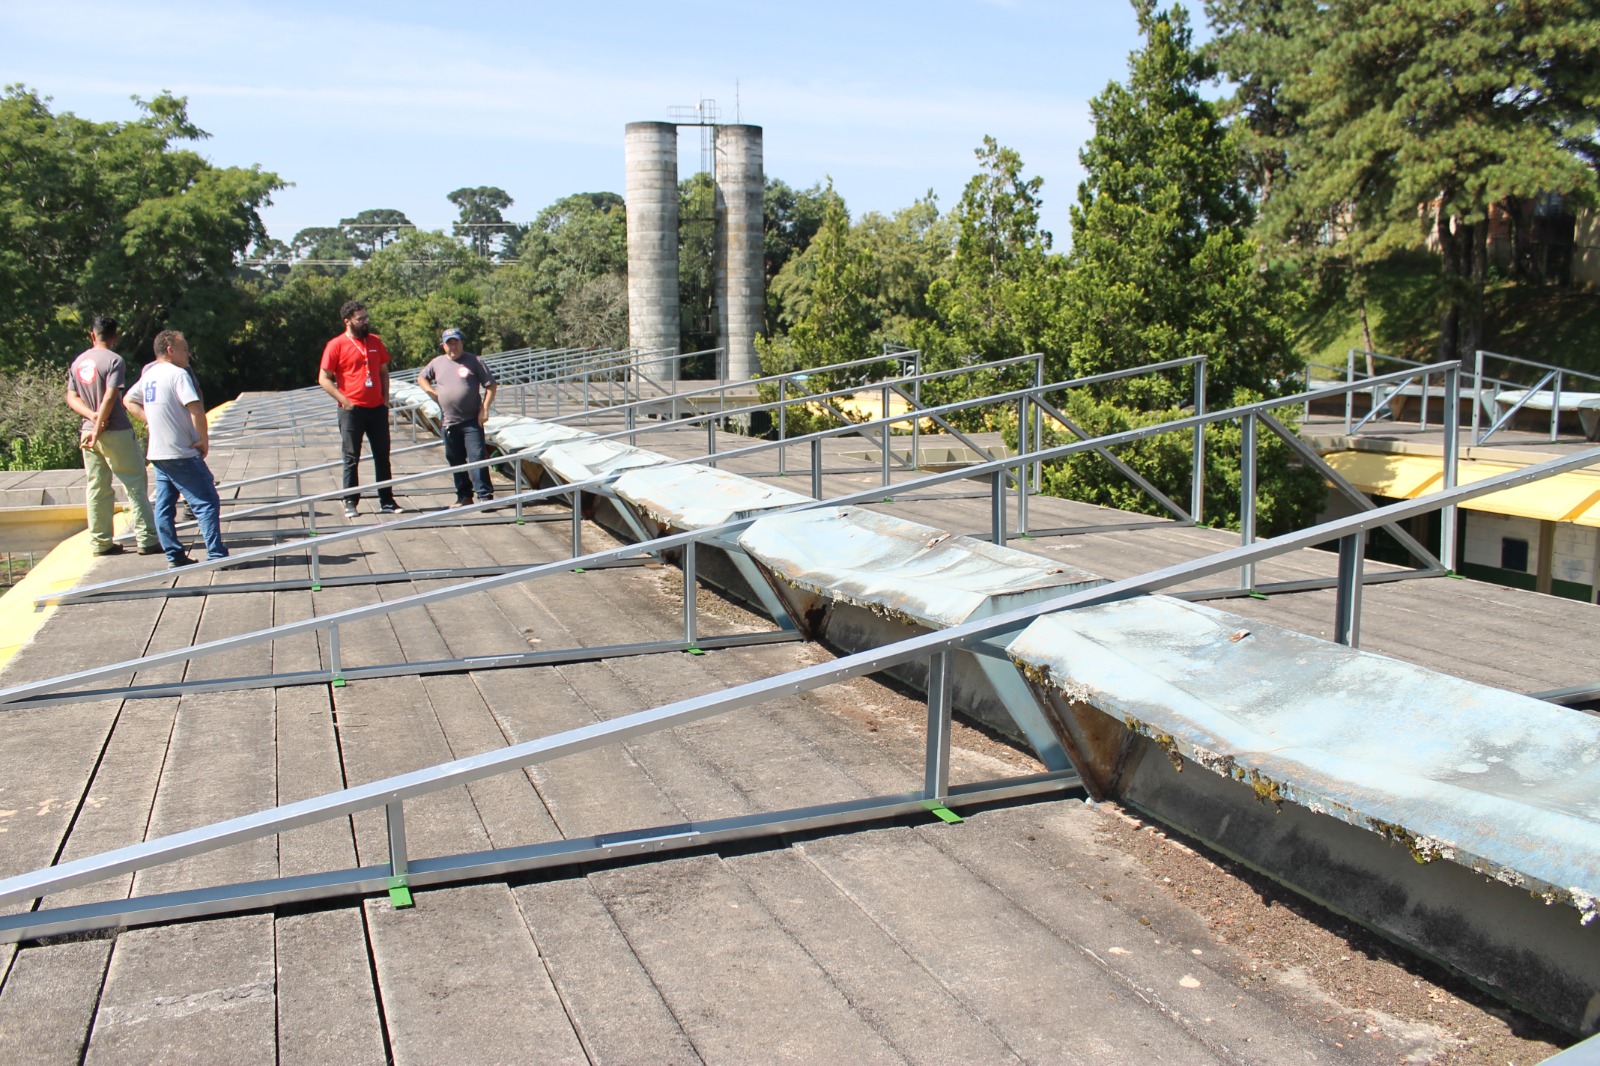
[[464, 389], [94, 390], [165, 397]]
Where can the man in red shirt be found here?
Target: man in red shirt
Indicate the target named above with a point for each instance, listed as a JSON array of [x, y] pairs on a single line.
[[355, 372]]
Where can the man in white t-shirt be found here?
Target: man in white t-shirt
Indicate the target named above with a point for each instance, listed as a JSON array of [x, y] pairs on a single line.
[[166, 400]]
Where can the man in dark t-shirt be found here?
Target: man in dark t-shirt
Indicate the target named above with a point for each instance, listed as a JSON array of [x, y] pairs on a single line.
[[464, 389], [95, 383]]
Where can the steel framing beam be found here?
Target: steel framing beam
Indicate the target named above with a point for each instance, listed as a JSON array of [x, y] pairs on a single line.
[[391, 793]]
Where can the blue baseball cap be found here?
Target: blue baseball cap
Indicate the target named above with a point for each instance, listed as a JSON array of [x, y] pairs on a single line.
[[452, 335]]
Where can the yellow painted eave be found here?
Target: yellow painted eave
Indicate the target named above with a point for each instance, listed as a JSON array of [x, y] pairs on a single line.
[[1570, 497]]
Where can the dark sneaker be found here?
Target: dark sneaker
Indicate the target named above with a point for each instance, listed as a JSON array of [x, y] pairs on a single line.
[[115, 549], [460, 503], [151, 549], [391, 508], [182, 560], [489, 500]]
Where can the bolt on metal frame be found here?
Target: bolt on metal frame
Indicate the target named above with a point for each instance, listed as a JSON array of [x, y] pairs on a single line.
[[391, 794]]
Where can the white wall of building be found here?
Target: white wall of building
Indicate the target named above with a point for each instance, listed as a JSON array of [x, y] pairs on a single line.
[[1573, 558], [1482, 543]]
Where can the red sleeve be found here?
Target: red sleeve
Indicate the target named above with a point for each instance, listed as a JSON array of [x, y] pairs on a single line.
[[330, 357], [384, 351]]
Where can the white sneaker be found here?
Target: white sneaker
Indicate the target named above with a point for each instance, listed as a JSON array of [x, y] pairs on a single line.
[[350, 510]]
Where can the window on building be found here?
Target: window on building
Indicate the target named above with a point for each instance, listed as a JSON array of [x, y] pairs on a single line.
[[1514, 554]]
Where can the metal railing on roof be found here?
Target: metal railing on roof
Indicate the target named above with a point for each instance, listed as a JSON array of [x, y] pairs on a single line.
[[1553, 377], [403, 871], [999, 472], [318, 540]]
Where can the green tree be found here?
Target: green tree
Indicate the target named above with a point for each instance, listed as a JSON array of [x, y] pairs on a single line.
[[791, 217], [481, 221], [697, 262], [285, 323], [899, 257], [573, 242], [373, 228], [1162, 267], [836, 325], [999, 290], [117, 217], [416, 287], [909, 250], [1162, 264], [325, 244], [1410, 118]]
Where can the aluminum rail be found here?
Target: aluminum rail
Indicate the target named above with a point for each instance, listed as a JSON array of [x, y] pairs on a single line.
[[721, 389], [625, 408], [392, 792], [317, 541], [290, 400], [815, 439], [996, 471], [1554, 375], [679, 425], [519, 499], [512, 368]]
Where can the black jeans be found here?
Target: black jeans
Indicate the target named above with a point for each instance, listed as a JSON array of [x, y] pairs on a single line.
[[372, 423], [463, 443]]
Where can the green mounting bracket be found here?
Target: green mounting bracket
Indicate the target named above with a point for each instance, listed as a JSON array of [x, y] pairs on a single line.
[[1258, 595], [695, 651], [1452, 573], [888, 499], [316, 588], [520, 522], [941, 812], [399, 894], [311, 532], [1025, 536], [577, 570], [338, 682]]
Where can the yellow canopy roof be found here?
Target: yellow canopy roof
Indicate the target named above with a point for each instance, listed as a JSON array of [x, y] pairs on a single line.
[[1570, 497]]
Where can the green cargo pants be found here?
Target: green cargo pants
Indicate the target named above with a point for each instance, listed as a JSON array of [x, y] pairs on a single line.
[[117, 452]]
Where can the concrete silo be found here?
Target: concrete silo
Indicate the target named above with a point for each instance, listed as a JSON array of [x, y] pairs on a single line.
[[735, 161], [651, 156], [741, 264]]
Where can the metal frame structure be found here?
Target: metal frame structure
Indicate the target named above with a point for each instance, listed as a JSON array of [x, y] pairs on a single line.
[[999, 472], [1553, 377], [403, 871], [594, 374], [315, 541], [633, 429]]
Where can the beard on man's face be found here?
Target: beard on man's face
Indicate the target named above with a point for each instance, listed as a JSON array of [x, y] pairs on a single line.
[[360, 330]]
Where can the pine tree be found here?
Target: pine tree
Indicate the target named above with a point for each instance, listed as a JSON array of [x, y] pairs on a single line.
[[1410, 118], [1162, 267], [1162, 264]]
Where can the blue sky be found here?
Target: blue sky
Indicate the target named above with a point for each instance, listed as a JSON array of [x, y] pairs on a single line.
[[394, 105]]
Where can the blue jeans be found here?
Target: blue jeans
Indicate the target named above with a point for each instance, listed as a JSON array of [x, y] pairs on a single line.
[[192, 478], [463, 443]]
